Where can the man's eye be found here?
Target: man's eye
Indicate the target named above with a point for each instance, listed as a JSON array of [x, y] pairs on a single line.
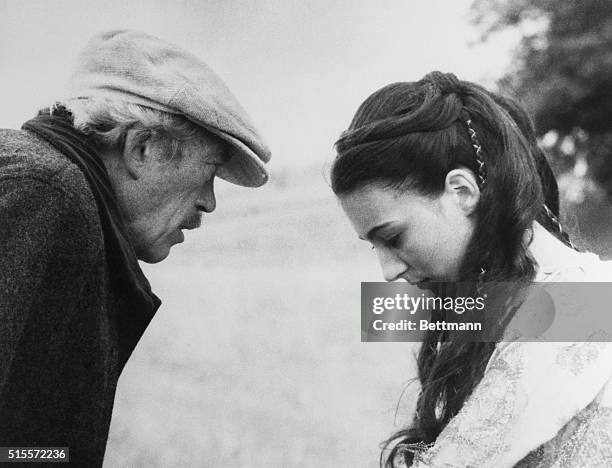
[[214, 166]]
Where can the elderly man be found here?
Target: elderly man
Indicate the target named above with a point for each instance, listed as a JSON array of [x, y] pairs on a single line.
[[113, 174]]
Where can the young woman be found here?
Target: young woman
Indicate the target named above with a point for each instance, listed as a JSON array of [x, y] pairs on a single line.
[[446, 182]]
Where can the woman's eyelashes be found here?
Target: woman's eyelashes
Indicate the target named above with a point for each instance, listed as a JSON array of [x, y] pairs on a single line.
[[391, 242]]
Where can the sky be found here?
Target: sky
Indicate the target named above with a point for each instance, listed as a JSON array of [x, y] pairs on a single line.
[[300, 68]]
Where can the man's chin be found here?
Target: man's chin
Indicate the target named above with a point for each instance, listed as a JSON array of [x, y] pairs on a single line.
[[155, 252], [153, 256]]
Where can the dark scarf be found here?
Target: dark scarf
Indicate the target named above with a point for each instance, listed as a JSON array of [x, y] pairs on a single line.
[[127, 279]]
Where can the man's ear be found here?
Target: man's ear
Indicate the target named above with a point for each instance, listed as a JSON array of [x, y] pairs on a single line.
[[462, 186], [137, 153]]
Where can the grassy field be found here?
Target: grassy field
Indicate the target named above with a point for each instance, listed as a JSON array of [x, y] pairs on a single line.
[[255, 359]]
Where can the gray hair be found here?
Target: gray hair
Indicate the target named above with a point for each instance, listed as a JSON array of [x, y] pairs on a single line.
[[106, 122]]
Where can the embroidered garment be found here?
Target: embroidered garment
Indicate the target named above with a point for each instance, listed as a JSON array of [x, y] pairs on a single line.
[[539, 404]]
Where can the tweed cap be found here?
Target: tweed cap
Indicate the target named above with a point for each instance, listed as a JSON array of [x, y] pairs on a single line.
[[145, 70]]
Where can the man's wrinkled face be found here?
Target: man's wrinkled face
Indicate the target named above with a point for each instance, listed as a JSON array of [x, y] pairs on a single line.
[[171, 193]]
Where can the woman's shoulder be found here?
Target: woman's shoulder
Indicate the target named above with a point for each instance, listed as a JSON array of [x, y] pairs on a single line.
[[581, 267], [566, 303]]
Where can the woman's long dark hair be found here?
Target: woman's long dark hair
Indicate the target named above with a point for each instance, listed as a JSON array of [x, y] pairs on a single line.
[[409, 136]]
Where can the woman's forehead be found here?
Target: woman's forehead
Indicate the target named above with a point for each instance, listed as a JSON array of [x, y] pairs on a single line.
[[371, 197], [372, 206]]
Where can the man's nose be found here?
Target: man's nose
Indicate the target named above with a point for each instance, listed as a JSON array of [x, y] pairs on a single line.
[[207, 201], [392, 266]]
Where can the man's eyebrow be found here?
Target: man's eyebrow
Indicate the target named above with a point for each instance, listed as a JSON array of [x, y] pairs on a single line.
[[226, 156], [219, 158], [372, 232]]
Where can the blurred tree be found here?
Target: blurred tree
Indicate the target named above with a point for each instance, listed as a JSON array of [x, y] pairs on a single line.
[[563, 73]]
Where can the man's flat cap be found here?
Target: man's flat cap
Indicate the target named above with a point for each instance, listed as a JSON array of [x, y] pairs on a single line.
[[145, 70]]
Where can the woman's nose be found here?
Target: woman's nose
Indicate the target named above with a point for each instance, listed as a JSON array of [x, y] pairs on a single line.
[[392, 266]]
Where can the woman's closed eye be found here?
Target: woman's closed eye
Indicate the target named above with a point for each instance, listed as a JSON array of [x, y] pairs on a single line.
[[392, 242]]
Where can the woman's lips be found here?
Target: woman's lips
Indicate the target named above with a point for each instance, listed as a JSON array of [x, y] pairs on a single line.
[[418, 282]]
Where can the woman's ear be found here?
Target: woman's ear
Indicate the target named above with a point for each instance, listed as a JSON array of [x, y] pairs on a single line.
[[137, 153], [462, 186]]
